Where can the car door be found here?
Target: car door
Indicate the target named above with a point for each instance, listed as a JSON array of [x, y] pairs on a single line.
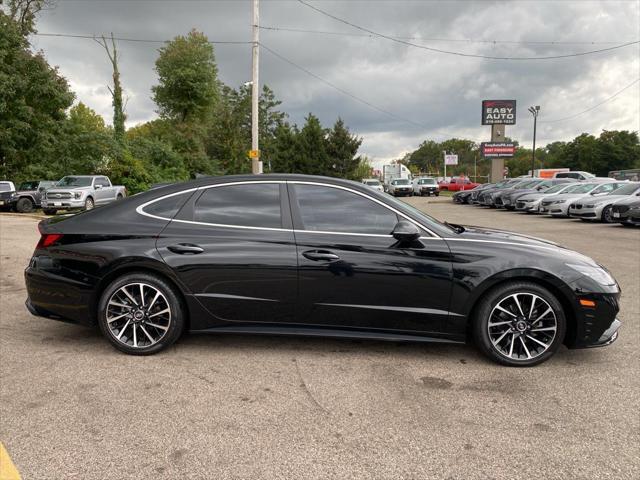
[[354, 275], [100, 191], [233, 247]]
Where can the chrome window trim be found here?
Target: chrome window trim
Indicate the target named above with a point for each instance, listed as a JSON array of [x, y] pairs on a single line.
[[340, 187], [140, 210]]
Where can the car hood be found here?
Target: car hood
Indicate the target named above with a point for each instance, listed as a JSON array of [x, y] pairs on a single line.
[[534, 196], [512, 239], [602, 199], [489, 234]]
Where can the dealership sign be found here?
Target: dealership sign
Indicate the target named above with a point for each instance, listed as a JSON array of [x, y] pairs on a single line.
[[451, 159], [498, 112], [497, 149]]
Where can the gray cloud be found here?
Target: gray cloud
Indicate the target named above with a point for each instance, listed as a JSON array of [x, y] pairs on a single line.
[[440, 92]]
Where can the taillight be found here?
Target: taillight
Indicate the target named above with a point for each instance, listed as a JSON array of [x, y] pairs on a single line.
[[48, 239]]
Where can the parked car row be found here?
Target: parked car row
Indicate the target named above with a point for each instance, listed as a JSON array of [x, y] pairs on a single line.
[[403, 187], [73, 192], [596, 199]]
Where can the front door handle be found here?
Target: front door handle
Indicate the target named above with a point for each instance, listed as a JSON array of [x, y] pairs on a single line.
[[185, 249], [319, 255]]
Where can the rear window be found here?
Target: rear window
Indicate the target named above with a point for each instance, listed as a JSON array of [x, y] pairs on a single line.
[[167, 207], [249, 205]]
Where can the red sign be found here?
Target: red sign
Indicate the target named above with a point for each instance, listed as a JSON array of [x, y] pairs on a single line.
[[497, 149]]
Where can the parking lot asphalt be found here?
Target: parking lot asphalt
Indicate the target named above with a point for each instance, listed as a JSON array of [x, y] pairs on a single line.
[[226, 407]]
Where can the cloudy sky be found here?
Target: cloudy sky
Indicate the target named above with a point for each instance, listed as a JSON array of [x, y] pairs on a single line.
[[428, 95]]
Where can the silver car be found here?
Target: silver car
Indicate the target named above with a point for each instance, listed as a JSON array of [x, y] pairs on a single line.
[[374, 183], [558, 205], [599, 208], [530, 202]]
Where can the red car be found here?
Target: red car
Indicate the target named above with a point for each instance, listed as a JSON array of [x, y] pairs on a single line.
[[458, 183]]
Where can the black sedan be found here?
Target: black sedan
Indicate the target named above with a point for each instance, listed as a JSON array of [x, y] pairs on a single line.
[[627, 212], [301, 255]]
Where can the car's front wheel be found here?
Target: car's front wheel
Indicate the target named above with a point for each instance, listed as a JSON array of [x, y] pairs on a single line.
[[89, 204], [607, 215], [519, 324], [141, 314]]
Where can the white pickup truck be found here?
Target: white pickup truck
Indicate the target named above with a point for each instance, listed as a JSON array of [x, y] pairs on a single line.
[[81, 192]]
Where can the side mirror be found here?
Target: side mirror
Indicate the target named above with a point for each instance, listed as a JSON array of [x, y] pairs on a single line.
[[406, 231], [98, 187]]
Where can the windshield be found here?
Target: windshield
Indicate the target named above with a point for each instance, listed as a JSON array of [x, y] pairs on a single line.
[[5, 187], [626, 190], [28, 185], [400, 181], [581, 188], [558, 188], [74, 182], [372, 182], [427, 181]]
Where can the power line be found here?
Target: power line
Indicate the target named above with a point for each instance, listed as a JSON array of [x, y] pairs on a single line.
[[452, 40], [139, 40], [460, 54], [349, 94], [594, 106]]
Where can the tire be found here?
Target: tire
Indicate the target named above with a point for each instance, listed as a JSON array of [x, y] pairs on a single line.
[[24, 205], [606, 215], [437, 194], [519, 328], [49, 211], [119, 196], [129, 334], [89, 204]]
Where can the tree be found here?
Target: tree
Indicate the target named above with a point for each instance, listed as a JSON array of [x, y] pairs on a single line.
[[284, 155], [116, 93], [188, 78], [24, 13], [313, 156], [33, 101], [342, 148]]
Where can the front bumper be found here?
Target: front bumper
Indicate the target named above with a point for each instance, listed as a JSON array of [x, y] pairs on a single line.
[[63, 204], [609, 336], [584, 212], [532, 206], [558, 209], [429, 190], [402, 191]]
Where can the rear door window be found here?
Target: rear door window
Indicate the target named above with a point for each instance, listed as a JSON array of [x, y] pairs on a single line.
[[247, 205]]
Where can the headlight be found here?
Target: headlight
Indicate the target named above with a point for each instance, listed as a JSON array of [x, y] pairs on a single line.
[[78, 195], [635, 208], [559, 201], [598, 274]]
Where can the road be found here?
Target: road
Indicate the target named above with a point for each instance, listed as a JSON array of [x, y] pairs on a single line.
[[228, 407]]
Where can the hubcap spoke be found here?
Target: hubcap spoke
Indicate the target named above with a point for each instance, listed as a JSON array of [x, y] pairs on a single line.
[[130, 323], [518, 335]]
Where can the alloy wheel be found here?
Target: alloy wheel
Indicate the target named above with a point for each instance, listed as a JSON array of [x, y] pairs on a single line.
[[522, 326], [138, 315]]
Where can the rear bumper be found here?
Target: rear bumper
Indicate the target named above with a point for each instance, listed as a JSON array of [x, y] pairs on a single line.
[[58, 298]]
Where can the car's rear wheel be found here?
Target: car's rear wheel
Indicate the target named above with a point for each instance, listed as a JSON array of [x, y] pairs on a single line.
[[24, 205], [519, 324], [141, 314]]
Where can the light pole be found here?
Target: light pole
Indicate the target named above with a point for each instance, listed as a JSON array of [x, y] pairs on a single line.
[[534, 111], [255, 91]]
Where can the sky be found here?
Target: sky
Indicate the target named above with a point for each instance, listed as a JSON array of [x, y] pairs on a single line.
[[404, 94]]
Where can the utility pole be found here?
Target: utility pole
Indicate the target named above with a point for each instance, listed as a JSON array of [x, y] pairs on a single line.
[[534, 111], [256, 164]]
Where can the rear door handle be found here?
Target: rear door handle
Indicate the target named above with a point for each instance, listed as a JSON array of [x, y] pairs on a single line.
[[185, 249], [320, 255]]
